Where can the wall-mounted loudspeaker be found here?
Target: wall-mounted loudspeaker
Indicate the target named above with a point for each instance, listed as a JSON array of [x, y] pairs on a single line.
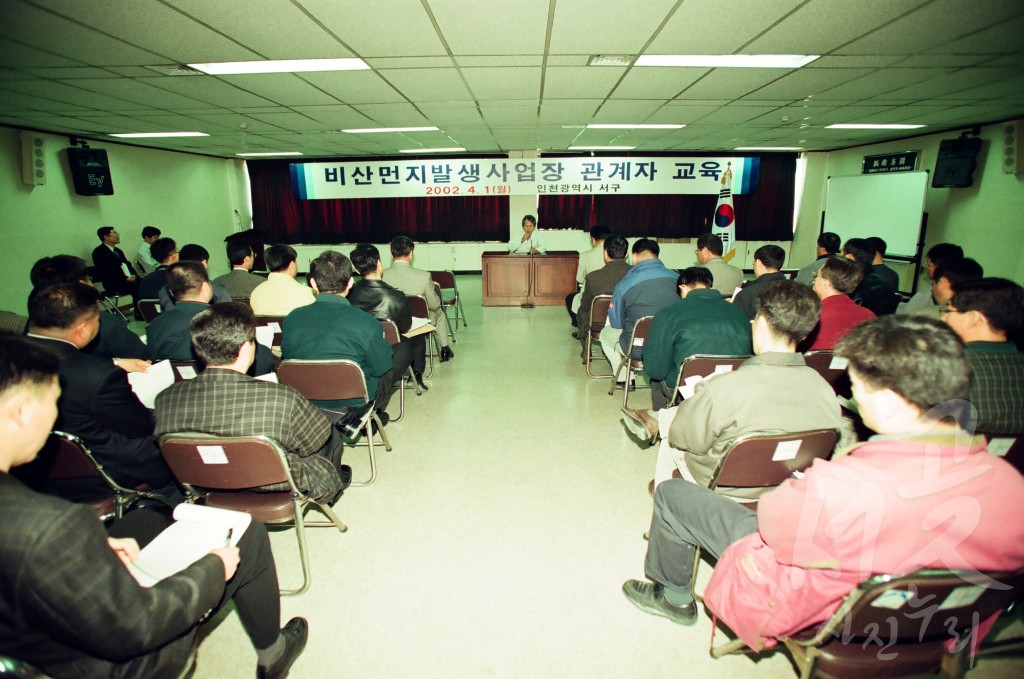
[[958, 158], [90, 172], [1011, 148], [33, 158]]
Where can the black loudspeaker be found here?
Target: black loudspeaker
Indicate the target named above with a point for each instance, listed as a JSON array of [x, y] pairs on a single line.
[[958, 158], [90, 172]]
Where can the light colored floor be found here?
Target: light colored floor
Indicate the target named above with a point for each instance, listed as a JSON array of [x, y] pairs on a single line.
[[498, 534]]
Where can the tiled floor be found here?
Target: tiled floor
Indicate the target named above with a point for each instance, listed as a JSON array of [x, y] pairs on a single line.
[[498, 534]]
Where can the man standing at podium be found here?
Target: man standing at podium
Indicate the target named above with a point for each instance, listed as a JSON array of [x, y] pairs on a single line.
[[530, 242]]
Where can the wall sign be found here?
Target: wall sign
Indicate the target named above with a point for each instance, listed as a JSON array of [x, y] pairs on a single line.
[[903, 161], [497, 176]]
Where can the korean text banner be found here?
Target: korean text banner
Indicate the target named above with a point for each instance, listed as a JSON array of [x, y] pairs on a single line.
[[485, 177]]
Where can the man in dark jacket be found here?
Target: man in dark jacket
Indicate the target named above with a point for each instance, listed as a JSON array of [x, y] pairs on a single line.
[[602, 281]]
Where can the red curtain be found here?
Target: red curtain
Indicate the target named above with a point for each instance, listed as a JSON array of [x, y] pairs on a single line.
[[765, 214], [282, 218]]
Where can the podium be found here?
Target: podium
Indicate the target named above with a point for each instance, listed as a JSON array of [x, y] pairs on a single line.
[[542, 280]]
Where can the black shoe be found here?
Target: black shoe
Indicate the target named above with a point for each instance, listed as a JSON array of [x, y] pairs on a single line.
[[295, 634], [650, 598], [384, 419], [446, 354], [575, 334], [345, 472], [419, 380], [354, 421]]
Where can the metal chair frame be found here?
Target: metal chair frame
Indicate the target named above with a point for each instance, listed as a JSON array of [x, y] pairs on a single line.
[[632, 365], [419, 308], [598, 309], [202, 490], [319, 392], [442, 278], [393, 337], [703, 365], [149, 309]]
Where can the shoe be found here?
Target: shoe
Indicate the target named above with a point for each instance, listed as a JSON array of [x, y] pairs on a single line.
[[295, 634], [640, 423], [650, 487], [384, 419], [446, 354], [575, 334], [345, 472], [649, 597], [354, 421], [419, 380]]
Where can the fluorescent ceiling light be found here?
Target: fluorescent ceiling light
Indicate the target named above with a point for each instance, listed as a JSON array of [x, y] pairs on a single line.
[[449, 149], [374, 130], [148, 135], [281, 66], [601, 148], [769, 148], [627, 126], [727, 60], [870, 126], [270, 153]]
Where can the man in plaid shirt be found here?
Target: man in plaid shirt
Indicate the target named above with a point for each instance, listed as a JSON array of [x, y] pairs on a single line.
[[224, 401]]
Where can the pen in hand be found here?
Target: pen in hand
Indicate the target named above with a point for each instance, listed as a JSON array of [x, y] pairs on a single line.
[[227, 539]]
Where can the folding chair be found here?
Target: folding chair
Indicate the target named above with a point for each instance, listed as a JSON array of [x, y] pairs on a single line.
[[598, 316], [331, 380], [419, 308], [922, 623], [393, 337], [275, 321], [243, 464], [112, 304], [704, 366], [149, 309], [833, 369], [633, 366], [765, 460], [446, 281], [185, 370], [67, 458]]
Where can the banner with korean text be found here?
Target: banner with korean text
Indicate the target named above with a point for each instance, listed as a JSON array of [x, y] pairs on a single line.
[[497, 176]]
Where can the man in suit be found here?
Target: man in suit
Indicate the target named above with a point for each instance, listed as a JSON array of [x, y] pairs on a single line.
[[590, 261], [332, 328], [768, 260], [602, 281], [709, 254], [412, 281], [224, 401], [113, 270], [164, 251], [195, 253], [240, 282], [97, 404], [380, 300], [68, 603], [874, 292]]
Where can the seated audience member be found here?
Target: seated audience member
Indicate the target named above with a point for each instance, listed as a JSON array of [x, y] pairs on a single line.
[[646, 289], [224, 401], [881, 268], [591, 260], [412, 281], [987, 314], [69, 604], [709, 254], [768, 260], [115, 340], [949, 277], [530, 241], [240, 282], [168, 336], [380, 300], [828, 245], [699, 323], [280, 294], [933, 497], [196, 253], [833, 284], [874, 292], [143, 256], [113, 270], [602, 281], [96, 402], [165, 251], [937, 254], [331, 328], [774, 391]]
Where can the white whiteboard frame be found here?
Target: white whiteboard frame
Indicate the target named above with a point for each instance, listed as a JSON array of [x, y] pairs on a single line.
[[888, 205]]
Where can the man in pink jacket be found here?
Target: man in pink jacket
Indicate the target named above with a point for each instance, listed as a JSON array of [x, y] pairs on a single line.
[[922, 493]]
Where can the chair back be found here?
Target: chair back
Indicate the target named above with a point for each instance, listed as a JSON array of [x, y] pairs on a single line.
[[224, 463], [832, 369], [705, 366], [68, 457], [268, 320], [328, 380], [390, 330], [637, 340], [764, 460], [150, 309], [444, 279], [185, 370], [599, 314], [418, 306]]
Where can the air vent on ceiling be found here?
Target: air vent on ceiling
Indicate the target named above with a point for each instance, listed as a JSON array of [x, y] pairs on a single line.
[[175, 69], [610, 60]]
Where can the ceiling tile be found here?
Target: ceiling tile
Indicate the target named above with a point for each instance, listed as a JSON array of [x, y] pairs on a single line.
[[885, 81], [482, 28], [283, 88], [355, 87], [500, 83], [585, 82], [397, 28], [699, 22], [656, 82], [605, 26], [429, 84]]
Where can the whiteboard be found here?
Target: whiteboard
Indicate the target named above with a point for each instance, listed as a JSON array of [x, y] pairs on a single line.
[[889, 206]]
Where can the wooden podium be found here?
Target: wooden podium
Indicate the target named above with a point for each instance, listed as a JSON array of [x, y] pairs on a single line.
[[543, 280]]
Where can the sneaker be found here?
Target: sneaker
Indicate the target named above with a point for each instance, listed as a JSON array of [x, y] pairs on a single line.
[[649, 597], [641, 423]]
